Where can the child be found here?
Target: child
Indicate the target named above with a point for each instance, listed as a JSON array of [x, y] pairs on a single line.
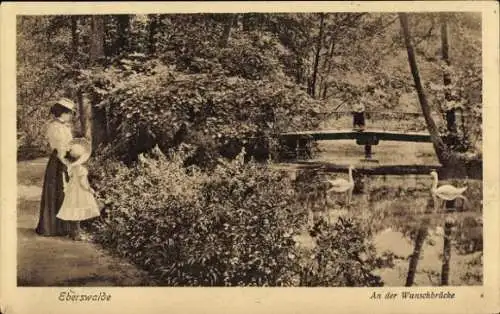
[[359, 117], [79, 202]]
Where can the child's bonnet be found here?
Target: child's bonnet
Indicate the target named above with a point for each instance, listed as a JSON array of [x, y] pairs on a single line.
[[79, 148]]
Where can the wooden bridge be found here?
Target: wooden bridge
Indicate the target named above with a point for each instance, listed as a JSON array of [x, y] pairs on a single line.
[[297, 145], [360, 136], [298, 141]]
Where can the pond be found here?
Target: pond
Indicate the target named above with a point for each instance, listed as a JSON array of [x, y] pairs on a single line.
[[391, 208]]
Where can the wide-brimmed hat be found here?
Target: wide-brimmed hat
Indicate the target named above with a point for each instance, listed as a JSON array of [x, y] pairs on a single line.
[[85, 146], [66, 103]]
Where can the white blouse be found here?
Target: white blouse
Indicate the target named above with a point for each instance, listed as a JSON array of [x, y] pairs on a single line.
[[59, 136]]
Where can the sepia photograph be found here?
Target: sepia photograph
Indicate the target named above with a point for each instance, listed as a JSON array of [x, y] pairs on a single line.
[[250, 149]]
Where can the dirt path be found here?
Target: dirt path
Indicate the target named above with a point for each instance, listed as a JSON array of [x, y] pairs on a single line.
[[58, 261]]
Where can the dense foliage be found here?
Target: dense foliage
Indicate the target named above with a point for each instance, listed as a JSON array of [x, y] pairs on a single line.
[[201, 88], [337, 58], [342, 257], [234, 226], [214, 113]]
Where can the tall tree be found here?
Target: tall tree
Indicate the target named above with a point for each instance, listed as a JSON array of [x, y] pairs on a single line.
[[153, 28], [319, 45], [439, 146], [247, 21], [450, 112], [95, 118], [83, 114], [74, 37], [226, 34], [342, 26], [96, 39], [123, 29]]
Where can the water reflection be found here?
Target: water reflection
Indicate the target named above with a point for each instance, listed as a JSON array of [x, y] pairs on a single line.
[[393, 210]]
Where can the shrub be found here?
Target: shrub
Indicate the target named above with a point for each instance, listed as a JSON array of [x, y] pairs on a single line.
[[31, 141], [342, 257], [216, 114], [234, 227], [473, 274]]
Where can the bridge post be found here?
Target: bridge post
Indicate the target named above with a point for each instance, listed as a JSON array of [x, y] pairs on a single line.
[[302, 148], [368, 141], [368, 151]]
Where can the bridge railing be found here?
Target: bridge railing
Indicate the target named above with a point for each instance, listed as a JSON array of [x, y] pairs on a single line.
[[299, 145], [389, 125], [393, 120], [387, 120]]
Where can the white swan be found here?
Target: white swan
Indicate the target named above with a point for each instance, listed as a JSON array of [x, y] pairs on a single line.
[[444, 192], [343, 186]]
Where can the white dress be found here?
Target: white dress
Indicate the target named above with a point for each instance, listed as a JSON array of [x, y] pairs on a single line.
[[79, 202]]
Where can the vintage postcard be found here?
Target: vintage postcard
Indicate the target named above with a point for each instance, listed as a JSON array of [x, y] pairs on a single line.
[[243, 157]]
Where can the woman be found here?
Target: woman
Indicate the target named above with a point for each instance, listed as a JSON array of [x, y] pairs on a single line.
[[59, 136]]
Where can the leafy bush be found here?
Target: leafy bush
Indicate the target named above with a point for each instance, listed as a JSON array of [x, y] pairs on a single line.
[[253, 56], [31, 142], [249, 54], [469, 235], [233, 226], [216, 114], [342, 257], [474, 271]]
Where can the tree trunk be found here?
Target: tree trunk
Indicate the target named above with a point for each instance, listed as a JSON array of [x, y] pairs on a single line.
[[439, 146], [227, 30], [95, 119], [84, 110], [123, 26], [74, 38], [298, 73], [96, 39], [419, 241], [246, 21], [99, 127], [84, 130], [325, 90], [153, 26], [319, 44], [328, 66], [329, 61], [450, 112], [344, 22]]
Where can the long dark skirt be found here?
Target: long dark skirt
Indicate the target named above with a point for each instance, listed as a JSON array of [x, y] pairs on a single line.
[[52, 199]]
